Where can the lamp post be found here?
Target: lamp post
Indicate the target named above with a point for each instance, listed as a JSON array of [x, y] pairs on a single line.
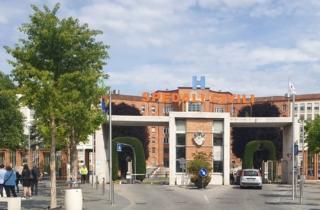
[[293, 139], [302, 166]]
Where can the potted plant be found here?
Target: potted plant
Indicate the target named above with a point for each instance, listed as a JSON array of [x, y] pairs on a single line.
[[200, 160]]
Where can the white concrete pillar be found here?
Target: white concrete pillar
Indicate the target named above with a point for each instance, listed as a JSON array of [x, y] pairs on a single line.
[[102, 151], [287, 150], [226, 151], [172, 150]]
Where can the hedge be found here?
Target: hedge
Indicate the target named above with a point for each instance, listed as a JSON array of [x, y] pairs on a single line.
[[141, 161], [254, 146]]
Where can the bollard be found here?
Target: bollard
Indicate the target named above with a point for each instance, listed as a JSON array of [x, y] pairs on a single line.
[[73, 199], [97, 183], [103, 186]]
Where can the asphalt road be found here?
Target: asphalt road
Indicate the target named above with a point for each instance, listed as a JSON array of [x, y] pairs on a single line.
[[154, 197], [163, 197]]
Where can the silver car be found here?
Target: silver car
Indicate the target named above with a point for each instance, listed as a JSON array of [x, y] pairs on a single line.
[[251, 178]]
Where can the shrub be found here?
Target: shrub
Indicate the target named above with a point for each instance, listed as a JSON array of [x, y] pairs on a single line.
[[140, 156], [254, 146], [200, 160]]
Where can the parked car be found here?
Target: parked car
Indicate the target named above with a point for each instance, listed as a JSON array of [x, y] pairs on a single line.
[[251, 178]]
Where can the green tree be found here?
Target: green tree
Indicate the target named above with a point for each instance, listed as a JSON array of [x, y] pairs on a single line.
[[53, 50], [81, 114], [313, 135], [11, 119]]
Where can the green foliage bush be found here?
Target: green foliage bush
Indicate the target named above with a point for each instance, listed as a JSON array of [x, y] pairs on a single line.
[[141, 161], [254, 146], [200, 160]]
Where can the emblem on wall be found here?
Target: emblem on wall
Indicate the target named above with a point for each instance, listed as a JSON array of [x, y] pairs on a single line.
[[199, 138]]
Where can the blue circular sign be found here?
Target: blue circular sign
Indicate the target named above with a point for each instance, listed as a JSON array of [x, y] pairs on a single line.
[[203, 172]]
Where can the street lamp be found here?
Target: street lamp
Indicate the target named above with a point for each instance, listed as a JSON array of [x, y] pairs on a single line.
[[293, 94], [302, 164]]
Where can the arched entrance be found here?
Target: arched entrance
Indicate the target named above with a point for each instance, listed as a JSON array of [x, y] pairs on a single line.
[[137, 148], [254, 149]]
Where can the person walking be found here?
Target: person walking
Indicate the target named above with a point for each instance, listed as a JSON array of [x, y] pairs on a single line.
[[2, 173], [35, 178], [83, 172], [18, 180], [26, 178], [10, 181]]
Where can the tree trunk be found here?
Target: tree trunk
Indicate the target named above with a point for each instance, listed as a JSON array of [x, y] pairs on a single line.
[[53, 202], [73, 156]]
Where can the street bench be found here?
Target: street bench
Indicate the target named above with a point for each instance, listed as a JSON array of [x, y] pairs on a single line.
[[14, 203]]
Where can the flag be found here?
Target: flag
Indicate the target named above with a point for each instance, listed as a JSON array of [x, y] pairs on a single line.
[[292, 90], [103, 105]]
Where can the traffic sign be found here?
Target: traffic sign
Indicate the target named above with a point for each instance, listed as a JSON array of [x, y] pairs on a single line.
[[203, 172], [119, 147], [296, 149]]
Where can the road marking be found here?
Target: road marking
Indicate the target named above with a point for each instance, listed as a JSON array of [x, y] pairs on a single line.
[[206, 199]]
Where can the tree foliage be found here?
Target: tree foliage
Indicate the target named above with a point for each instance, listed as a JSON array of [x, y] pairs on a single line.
[[53, 65], [313, 135], [241, 136], [11, 119]]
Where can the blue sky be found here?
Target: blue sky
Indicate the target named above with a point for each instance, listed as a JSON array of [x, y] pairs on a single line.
[[242, 46]]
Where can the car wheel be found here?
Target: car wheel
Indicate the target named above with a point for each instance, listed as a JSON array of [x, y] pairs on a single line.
[[241, 187], [260, 188]]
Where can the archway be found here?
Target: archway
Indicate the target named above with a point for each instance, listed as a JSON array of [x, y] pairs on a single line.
[[253, 148], [135, 144]]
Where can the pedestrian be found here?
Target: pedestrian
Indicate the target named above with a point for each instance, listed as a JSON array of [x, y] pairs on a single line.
[[2, 173], [26, 178], [18, 180], [83, 172], [10, 181], [35, 179]]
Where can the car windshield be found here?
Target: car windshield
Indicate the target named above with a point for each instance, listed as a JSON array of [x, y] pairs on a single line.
[[250, 173]]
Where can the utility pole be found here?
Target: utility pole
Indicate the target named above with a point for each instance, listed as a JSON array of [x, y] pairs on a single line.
[[111, 192]]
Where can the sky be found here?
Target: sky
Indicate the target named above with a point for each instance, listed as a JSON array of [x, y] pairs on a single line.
[[241, 46]]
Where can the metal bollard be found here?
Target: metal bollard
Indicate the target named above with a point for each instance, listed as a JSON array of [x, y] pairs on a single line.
[[97, 183], [103, 186]]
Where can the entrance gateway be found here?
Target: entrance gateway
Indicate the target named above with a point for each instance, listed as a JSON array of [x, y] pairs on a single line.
[[192, 132]]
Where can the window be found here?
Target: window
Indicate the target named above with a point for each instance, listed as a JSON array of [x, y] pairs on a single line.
[[284, 107], [181, 152], [143, 108], [181, 126], [309, 107], [153, 150], [167, 108], [301, 116], [165, 130], [218, 126], [194, 107], [295, 107], [310, 164], [316, 106], [219, 109], [166, 140], [218, 166], [166, 150], [153, 129], [153, 109], [309, 117], [302, 107], [217, 140]]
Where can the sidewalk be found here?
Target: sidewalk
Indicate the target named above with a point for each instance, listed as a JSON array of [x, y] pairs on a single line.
[[311, 199]]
